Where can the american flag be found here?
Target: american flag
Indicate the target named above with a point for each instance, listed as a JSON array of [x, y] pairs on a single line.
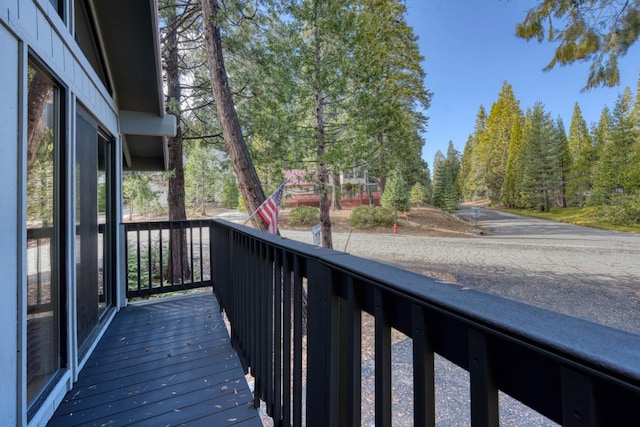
[[270, 209]]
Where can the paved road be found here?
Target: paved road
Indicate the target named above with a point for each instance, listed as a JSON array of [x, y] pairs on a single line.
[[584, 272]]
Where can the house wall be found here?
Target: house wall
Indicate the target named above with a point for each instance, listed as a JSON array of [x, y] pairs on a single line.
[[9, 238], [33, 27]]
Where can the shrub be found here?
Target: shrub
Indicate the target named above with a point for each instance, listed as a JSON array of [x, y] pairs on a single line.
[[368, 217], [625, 210], [303, 215], [241, 207]]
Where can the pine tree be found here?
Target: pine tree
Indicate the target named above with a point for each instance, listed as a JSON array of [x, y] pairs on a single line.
[[492, 149], [396, 193], [601, 174], [418, 195], [230, 191], [580, 146], [613, 170], [389, 90], [201, 176], [470, 177], [562, 154], [515, 164], [446, 193], [137, 193], [540, 168], [439, 180], [595, 30]]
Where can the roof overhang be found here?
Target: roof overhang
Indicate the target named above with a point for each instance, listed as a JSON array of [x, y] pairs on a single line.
[[128, 32]]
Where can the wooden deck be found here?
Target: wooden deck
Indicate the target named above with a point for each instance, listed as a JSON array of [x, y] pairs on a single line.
[[167, 362]]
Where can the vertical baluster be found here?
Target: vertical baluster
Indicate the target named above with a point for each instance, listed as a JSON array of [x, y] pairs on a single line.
[[182, 243], [423, 371], [126, 259], [200, 236], [484, 394], [354, 357], [297, 342], [138, 256], [171, 246], [277, 338], [286, 340], [150, 256], [191, 249], [160, 231], [270, 286], [382, 362]]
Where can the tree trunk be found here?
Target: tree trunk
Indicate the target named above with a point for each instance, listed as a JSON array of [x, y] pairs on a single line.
[[248, 180], [323, 176], [40, 91], [178, 269], [336, 199], [382, 179]]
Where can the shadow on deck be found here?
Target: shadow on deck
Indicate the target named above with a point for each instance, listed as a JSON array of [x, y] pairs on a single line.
[[166, 362]]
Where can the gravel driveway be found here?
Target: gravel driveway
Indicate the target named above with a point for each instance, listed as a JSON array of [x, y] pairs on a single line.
[[586, 273]]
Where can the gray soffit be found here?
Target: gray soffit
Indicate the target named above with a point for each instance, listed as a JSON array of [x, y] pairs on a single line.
[[128, 33]]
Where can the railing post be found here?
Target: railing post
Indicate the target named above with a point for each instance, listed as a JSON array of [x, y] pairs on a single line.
[[383, 408], [323, 339], [423, 370], [578, 403], [484, 393]]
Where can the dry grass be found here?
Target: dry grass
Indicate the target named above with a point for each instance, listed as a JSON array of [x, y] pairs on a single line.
[[419, 221]]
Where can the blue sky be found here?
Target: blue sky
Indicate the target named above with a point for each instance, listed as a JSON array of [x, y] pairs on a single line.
[[470, 49]]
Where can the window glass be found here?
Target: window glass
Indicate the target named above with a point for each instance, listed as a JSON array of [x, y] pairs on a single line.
[[43, 232]]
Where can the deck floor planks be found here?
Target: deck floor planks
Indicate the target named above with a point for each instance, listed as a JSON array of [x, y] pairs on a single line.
[[167, 362]]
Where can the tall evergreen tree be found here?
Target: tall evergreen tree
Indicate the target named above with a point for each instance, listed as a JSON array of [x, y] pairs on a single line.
[[176, 17], [446, 193], [248, 180], [390, 94], [438, 196], [470, 177], [614, 164], [562, 153], [540, 168], [202, 173], [515, 163], [492, 149], [601, 173], [396, 193], [580, 147]]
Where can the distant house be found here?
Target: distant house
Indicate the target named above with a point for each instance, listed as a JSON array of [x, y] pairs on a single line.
[[299, 181], [358, 180], [81, 101], [356, 185]]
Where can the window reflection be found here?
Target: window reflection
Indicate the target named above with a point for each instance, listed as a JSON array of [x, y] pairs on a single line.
[[43, 331]]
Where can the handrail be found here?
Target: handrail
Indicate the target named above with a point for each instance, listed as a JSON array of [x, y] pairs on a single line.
[[151, 268], [572, 371]]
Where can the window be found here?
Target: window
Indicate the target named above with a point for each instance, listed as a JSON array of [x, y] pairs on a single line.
[[45, 293], [58, 5], [94, 227]]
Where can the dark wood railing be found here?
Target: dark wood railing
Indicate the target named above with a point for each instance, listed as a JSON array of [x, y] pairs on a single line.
[[573, 372], [148, 250]]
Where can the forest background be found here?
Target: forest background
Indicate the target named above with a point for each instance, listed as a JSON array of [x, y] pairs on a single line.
[[332, 87]]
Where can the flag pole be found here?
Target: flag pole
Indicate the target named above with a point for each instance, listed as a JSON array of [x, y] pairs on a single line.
[[265, 201]]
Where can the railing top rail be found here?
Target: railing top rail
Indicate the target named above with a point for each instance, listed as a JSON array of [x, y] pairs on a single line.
[[156, 225], [608, 351]]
